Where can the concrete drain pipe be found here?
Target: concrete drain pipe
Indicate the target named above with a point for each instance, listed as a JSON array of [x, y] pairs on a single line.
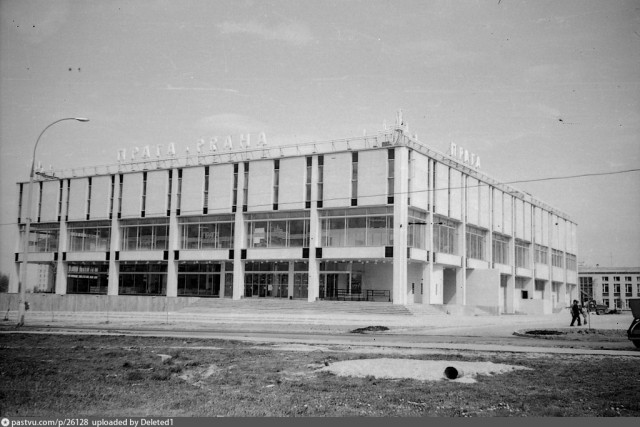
[[452, 373]]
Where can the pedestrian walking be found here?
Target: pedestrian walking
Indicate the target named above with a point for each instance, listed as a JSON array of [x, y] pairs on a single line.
[[576, 311]]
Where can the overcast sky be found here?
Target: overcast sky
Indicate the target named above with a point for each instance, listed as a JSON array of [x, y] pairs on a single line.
[[538, 89]]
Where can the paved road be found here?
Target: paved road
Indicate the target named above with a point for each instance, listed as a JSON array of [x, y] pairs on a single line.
[[427, 333]]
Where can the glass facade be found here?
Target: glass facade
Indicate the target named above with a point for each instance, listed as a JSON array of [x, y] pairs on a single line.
[[206, 232], [557, 258], [476, 241], [199, 279], [89, 236], [142, 279], [88, 278], [522, 253], [145, 235], [42, 237], [278, 230], [357, 227], [416, 229], [445, 236], [500, 249], [541, 254]]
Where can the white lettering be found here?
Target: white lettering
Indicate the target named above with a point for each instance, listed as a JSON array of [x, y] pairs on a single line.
[[463, 155], [144, 153], [262, 139], [245, 141]]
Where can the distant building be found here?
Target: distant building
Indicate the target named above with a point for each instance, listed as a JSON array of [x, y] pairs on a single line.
[[611, 286], [380, 217]]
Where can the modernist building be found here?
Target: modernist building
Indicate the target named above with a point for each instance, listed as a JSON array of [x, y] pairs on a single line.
[[380, 217], [611, 286]]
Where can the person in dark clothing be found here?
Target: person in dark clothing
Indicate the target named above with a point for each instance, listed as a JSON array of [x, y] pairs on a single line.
[[576, 311]]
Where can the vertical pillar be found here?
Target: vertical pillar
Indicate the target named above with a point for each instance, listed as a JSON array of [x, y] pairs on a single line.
[[174, 243], [114, 244], [512, 295], [61, 265], [461, 273], [400, 212], [314, 235], [239, 238]]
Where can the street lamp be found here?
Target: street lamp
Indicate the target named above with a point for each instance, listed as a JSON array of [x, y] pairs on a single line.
[[27, 229]]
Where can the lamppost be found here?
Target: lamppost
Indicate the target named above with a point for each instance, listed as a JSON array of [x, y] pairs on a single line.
[[27, 229]]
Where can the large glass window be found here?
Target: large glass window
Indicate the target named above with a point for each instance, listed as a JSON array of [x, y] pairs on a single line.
[[445, 236], [476, 241], [42, 237], [605, 289], [206, 232], [586, 288], [500, 249], [202, 280], [88, 279], [541, 254], [141, 235], [89, 236], [522, 253], [278, 230], [557, 258], [142, 279], [357, 227], [416, 226], [572, 262]]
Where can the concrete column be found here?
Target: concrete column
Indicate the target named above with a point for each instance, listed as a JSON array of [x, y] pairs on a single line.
[[174, 241], [239, 239], [400, 212], [61, 266], [114, 244], [314, 235], [461, 274]]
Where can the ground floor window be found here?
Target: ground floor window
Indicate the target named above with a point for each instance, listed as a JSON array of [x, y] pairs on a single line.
[[142, 279], [88, 279], [271, 279], [341, 278], [200, 279]]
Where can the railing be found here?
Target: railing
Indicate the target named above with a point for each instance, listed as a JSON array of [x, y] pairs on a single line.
[[373, 293], [370, 295]]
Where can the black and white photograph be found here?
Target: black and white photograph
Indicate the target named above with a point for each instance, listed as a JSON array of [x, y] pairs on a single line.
[[323, 209]]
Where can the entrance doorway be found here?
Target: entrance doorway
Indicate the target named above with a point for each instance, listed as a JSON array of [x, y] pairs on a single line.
[[331, 282]]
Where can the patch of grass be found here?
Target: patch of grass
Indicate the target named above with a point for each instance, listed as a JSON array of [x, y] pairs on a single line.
[[123, 376]]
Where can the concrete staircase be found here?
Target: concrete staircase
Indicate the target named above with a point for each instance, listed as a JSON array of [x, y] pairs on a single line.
[[274, 306]]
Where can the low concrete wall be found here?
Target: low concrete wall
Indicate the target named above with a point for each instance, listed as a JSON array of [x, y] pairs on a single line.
[[96, 303]]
